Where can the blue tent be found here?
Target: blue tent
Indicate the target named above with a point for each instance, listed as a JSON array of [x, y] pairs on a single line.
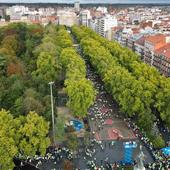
[[166, 150], [78, 125], [128, 152]]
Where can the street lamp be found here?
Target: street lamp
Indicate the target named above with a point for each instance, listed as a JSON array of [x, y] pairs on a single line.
[[52, 110]]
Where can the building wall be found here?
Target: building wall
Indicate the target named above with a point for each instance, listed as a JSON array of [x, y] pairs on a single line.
[[104, 26], [162, 64], [67, 18]]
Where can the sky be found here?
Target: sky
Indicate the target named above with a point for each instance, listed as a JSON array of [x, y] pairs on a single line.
[[87, 1]]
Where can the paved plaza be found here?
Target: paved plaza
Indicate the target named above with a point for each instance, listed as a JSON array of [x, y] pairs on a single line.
[[115, 130]]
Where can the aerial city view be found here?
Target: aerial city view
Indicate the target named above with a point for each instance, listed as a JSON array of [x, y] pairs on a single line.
[[85, 85]]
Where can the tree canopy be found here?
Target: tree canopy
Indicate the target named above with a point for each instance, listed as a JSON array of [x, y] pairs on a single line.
[[137, 87], [26, 135]]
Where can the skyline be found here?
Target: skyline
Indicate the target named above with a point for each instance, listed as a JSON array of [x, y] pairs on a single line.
[[91, 1]]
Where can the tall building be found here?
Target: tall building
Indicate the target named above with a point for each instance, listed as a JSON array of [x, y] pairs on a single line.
[[77, 6], [162, 60], [105, 24], [85, 17]]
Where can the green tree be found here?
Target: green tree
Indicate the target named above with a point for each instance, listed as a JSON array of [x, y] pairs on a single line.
[[34, 135], [8, 148], [72, 141], [60, 128], [162, 102], [10, 42], [27, 135], [47, 67], [7, 18], [3, 63], [79, 90], [81, 96]]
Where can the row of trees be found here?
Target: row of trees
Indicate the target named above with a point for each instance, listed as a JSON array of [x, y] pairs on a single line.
[[79, 90], [135, 96], [26, 135], [47, 53], [126, 90], [156, 85]]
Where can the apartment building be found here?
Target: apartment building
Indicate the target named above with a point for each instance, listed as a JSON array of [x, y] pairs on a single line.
[[84, 18], [66, 17], [104, 26], [139, 46], [162, 59], [77, 6], [152, 43]]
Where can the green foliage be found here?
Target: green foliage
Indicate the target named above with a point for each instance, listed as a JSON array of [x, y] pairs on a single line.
[[33, 135], [12, 88], [10, 42], [72, 141], [47, 67], [8, 148], [23, 134], [72, 64], [163, 100], [7, 18], [81, 96], [60, 128], [63, 39], [3, 63], [18, 63], [48, 47], [80, 90], [157, 141]]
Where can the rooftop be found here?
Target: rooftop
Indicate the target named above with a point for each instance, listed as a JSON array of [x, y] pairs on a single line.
[[141, 41], [165, 51], [154, 39]]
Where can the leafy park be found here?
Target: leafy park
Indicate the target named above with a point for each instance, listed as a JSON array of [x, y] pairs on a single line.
[[31, 56]]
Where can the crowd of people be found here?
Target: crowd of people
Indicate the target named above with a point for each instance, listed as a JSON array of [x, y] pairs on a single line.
[[161, 161], [102, 108], [54, 155], [99, 112]]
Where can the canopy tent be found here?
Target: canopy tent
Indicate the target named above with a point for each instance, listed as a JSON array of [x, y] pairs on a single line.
[[166, 151]]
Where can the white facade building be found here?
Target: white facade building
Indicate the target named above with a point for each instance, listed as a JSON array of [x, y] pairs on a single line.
[[105, 24], [67, 18], [85, 18], [46, 11], [102, 9], [17, 10], [77, 6]]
